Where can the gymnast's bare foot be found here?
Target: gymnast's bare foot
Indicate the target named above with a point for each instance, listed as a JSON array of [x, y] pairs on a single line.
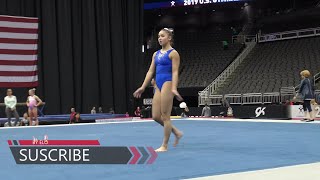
[[162, 149], [178, 137]]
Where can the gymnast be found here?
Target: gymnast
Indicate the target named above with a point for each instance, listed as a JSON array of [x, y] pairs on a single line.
[[33, 102], [165, 63]]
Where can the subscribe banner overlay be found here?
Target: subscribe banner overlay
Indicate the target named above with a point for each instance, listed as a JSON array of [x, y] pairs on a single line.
[[78, 152]]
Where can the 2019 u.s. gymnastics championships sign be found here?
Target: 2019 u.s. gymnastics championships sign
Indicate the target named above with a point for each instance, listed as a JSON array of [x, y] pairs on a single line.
[[185, 3], [77, 152]]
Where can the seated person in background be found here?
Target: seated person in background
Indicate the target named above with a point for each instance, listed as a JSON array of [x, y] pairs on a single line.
[[137, 112], [142, 112], [230, 112], [76, 119], [93, 111], [206, 111], [127, 114], [100, 110], [72, 115], [146, 112], [111, 111], [25, 120], [185, 112]]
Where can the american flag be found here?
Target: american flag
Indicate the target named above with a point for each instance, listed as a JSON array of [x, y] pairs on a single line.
[[18, 51]]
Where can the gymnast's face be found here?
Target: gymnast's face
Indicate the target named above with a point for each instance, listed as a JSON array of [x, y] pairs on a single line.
[[31, 93], [163, 38]]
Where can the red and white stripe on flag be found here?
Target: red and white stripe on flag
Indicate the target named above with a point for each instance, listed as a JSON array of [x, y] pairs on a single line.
[[18, 51]]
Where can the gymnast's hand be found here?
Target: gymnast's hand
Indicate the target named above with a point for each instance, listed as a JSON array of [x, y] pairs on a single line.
[[177, 95], [138, 92]]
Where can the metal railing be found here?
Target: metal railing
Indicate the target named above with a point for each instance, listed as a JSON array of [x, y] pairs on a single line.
[[215, 99], [209, 90], [287, 93], [244, 99], [244, 38], [234, 98], [289, 35], [270, 98], [252, 98]]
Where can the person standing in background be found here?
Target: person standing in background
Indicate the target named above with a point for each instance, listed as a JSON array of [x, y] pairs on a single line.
[[100, 110], [33, 101], [72, 116], [93, 110], [11, 101], [225, 102], [111, 111], [206, 111], [306, 91]]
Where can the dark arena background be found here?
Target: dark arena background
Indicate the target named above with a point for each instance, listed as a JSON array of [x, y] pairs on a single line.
[[89, 53], [249, 76]]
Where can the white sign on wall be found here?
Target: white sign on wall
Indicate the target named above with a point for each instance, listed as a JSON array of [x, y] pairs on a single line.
[[147, 101], [297, 111]]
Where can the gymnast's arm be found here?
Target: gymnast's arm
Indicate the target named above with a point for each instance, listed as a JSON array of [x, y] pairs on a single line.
[[27, 102], [5, 101], [39, 101], [175, 69], [13, 106], [150, 73]]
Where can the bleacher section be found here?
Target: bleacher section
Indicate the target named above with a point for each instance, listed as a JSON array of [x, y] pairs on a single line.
[[292, 20], [289, 25], [273, 65], [202, 56]]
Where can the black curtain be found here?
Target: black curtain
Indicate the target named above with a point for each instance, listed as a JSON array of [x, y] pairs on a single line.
[[89, 52]]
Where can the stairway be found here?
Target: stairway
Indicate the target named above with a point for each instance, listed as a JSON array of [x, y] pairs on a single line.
[[231, 78]]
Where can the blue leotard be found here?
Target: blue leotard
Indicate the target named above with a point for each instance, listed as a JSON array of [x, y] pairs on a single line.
[[163, 67]]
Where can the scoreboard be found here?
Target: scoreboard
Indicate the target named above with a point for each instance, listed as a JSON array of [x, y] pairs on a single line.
[[183, 3]]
